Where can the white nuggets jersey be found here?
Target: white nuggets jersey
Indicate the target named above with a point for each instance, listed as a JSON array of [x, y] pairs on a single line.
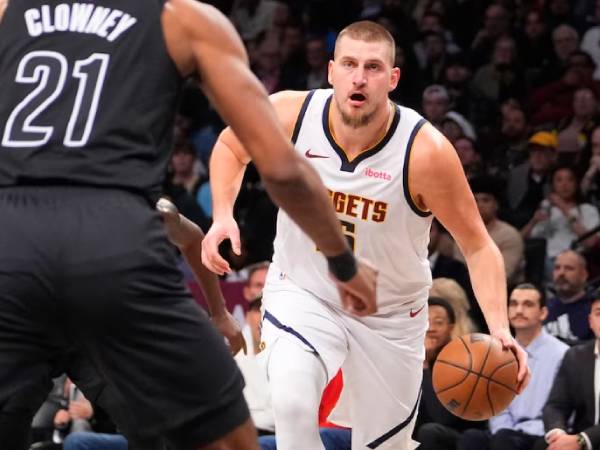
[[371, 198]]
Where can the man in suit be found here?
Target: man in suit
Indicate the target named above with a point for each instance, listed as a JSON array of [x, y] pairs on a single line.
[[576, 393]]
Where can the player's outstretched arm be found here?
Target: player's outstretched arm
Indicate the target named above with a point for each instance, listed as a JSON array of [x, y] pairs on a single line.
[[187, 236], [437, 182]]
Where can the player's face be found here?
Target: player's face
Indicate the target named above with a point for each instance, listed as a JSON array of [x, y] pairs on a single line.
[[440, 328], [524, 310], [362, 76], [594, 318]]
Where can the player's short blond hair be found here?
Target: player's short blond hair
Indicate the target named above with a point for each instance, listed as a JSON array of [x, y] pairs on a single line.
[[368, 31]]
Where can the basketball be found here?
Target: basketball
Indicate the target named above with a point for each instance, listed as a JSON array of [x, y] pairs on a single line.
[[474, 378]]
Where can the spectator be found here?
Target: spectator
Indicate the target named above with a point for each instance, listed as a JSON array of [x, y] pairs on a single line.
[[456, 79], [435, 104], [76, 414], [436, 427], [454, 126], [512, 149], [268, 65], [520, 425], [253, 17], [589, 43], [534, 48], [496, 23], [529, 183], [455, 295], [432, 22], [293, 71], [559, 12], [565, 40], [42, 425], [574, 131], [469, 157], [507, 238], [500, 78], [571, 413], [553, 101], [563, 216], [317, 60], [569, 308], [408, 91], [185, 169], [434, 49], [444, 266]]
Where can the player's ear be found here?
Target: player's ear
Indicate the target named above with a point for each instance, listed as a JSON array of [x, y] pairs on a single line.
[[329, 70], [395, 78]]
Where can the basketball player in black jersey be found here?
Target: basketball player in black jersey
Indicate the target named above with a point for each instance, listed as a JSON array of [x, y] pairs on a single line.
[[88, 282]]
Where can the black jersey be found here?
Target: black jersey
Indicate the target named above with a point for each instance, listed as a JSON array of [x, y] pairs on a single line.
[[88, 94]]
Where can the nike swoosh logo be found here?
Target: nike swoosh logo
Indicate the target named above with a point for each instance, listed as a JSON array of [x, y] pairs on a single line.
[[414, 313], [308, 154]]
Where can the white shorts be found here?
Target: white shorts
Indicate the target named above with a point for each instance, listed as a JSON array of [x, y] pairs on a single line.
[[381, 359]]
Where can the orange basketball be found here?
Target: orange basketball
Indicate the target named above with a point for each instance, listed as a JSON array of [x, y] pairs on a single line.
[[474, 378]]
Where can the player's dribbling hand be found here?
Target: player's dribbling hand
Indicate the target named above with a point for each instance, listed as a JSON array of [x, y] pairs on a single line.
[[230, 329], [219, 231], [509, 343], [359, 293]]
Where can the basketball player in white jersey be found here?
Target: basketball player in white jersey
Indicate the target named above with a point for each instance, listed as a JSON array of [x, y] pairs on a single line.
[[388, 172]]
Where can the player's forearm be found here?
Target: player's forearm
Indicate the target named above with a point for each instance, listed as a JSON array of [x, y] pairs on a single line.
[[488, 278], [209, 283], [299, 191], [226, 174], [192, 252]]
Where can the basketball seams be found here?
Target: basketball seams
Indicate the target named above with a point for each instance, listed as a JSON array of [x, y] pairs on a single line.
[[469, 372], [491, 377], [487, 354], [468, 353]]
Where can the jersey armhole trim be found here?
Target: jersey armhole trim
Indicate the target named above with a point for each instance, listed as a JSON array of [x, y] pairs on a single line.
[[300, 117], [407, 195]]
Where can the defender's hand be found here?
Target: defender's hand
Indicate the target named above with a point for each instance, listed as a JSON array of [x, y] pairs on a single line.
[[359, 293], [508, 342], [219, 231], [230, 328]]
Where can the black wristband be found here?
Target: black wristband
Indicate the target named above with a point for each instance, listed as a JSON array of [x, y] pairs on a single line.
[[343, 266]]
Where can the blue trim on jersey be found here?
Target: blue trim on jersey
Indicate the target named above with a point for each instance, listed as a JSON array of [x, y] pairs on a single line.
[[300, 117], [271, 318], [409, 200], [384, 437], [350, 166]]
